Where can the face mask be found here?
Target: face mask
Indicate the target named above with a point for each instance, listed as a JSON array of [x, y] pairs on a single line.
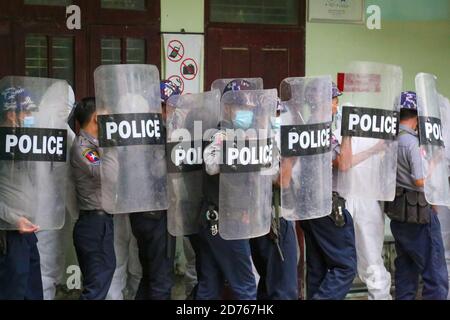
[[276, 122], [243, 119], [28, 122]]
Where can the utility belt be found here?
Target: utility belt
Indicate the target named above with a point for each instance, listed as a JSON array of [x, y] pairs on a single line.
[[153, 215], [337, 210], [408, 206], [95, 212]]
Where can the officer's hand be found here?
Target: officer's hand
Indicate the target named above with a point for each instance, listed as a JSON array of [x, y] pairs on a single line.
[[25, 226], [219, 137]]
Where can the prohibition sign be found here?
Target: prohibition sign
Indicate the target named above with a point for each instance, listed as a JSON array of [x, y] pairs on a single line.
[[187, 65], [178, 81], [175, 51]]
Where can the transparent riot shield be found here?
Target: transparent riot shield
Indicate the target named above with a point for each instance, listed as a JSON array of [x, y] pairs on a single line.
[[33, 151], [305, 168], [245, 177], [445, 114], [370, 123], [132, 138], [255, 84], [434, 162], [190, 121]]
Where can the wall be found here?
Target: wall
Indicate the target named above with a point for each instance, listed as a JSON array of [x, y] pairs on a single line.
[[412, 35], [178, 14], [415, 34]]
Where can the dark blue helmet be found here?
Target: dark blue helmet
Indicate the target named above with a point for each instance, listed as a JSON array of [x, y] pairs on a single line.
[[408, 100], [168, 89], [238, 85], [335, 92], [16, 99]]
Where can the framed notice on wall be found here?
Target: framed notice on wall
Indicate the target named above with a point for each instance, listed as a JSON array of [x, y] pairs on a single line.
[[336, 11]]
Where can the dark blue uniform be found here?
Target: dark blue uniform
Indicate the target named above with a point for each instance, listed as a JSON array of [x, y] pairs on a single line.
[[278, 278], [419, 247], [330, 257], [330, 252], [156, 248], [20, 271], [156, 254], [219, 260]]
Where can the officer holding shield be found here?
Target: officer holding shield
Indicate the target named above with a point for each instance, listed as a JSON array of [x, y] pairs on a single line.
[[156, 246], [20, 273], [219, 259], [275, 254], [330, 240], [414, 222]]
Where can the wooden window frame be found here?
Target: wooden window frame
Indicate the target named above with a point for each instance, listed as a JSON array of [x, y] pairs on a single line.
[[52, 30], [300, 24], [99, 15], [19, 9], [151, 35]]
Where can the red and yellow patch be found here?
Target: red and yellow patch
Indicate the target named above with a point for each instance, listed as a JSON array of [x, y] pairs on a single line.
[[92, 156]]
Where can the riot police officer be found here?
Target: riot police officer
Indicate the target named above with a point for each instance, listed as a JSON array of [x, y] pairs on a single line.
[[219, 260], [275, 254], [414, 222], [156, 246], [330, 240], [20, 273]]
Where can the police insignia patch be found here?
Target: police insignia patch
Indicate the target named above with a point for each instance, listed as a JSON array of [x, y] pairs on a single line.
[[92, 156]]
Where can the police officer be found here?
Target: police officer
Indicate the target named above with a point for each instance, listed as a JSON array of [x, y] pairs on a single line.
[[93, 233], [415, 227], [20, 273], [219, 260], [330, 240], [156, 246], [275, 254]]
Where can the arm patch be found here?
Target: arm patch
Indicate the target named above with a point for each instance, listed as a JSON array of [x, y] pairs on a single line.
[[92, 156]]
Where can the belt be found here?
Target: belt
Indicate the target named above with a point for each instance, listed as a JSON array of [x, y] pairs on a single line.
[[96, 212], [152, 215]]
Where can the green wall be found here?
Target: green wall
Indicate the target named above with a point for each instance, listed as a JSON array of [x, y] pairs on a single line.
[[417, 45], [415, 34], [182, 14]]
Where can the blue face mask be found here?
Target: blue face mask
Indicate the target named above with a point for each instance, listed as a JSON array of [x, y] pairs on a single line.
[[276, 122], [243, 119], [28, 122]]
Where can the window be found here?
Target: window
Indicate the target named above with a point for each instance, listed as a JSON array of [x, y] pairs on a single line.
[[49, 2], [135, 51], [55, 63], [111, 51], [112, 48], [36, 60], [138, 5], [283, 12], [62, 59]]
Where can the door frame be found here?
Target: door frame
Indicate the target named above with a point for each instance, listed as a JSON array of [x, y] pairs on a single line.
[[300, 27]]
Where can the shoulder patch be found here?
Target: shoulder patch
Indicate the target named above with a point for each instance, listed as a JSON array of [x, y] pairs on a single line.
[[92, 156]]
